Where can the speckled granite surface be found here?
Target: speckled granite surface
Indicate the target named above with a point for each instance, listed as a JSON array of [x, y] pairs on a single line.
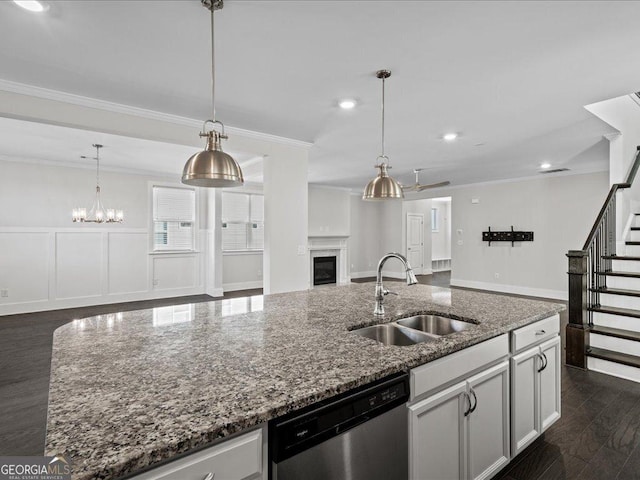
[[133, 389]]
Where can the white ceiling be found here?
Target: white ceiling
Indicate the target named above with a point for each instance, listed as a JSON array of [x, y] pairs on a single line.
[[511, 76]]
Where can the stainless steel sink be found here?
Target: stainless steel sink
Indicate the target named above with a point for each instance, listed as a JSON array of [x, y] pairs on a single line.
[[392, 334], [434, 324]]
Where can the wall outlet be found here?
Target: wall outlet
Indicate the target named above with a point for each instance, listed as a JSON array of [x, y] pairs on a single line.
[[4, 293], [497, 275], [259, 274], [475, 201], [156, 282], [302, 249], [460, 242]]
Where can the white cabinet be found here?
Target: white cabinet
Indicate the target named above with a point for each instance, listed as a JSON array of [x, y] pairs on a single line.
[[437, 435], [535, 389], [462, 432], [239, 458]]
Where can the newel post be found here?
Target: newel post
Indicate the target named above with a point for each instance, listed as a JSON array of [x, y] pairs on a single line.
[[577, 332]]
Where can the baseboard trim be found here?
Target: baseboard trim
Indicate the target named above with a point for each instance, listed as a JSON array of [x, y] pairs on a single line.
[[370, 273], [614, 369], [234, 287], [45, 305], [515, 289]]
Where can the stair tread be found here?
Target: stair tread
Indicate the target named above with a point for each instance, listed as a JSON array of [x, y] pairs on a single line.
[[620, 274], [621, 257], [617, 357], [617, 291], [628, 242], [627, 312], [635, 228], [616, 332]]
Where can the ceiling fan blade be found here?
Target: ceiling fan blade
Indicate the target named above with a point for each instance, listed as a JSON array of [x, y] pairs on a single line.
[[408, 188], [433, 185]]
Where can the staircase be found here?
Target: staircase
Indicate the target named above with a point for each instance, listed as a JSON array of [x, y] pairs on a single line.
[[603, 333]]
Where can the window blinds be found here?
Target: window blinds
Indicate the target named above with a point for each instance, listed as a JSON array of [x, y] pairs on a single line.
[[174, 204], [242, 221]]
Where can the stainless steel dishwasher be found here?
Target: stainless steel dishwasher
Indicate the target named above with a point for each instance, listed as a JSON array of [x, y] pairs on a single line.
[[362, 435]]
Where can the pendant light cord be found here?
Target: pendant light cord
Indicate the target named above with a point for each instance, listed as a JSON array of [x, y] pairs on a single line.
[[213, 63], [383, 79], [97, 166]]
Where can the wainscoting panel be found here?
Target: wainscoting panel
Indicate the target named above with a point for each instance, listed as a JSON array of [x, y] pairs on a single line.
[[175, 271], [128, 262], [24, 267], [79, 261]]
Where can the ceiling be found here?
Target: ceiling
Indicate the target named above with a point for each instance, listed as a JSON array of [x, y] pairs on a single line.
[[510, 77]]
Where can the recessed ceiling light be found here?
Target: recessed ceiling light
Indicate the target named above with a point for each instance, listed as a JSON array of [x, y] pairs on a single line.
[[32, 5], [449, 137], [545, 165], [347, 104]]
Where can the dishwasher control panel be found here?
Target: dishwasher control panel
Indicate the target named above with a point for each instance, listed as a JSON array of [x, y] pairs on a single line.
[[294, 433]]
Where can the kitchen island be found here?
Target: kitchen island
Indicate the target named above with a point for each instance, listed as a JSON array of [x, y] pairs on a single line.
[[131, 390]]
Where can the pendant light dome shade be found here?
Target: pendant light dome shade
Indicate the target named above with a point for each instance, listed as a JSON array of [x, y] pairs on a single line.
[[212, 167], [383, 187]]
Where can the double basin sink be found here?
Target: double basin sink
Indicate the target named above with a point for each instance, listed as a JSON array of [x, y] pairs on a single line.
[[412, 330]]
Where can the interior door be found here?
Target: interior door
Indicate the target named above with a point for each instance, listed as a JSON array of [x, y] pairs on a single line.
[[415, 241]]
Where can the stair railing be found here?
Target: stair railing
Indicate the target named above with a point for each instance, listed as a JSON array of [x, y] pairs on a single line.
[[586, 273]]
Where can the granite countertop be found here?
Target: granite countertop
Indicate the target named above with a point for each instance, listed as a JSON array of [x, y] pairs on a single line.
[[133, 389]]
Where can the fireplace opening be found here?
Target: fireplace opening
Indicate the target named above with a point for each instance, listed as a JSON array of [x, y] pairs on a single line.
[[324, 270]]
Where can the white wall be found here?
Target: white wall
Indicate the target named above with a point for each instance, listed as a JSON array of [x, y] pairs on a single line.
[[49, 262], [329, 211], [286, 257], [559, 210], [364, 242], [622, 113]]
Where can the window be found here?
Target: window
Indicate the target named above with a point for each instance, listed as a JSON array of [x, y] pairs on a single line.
[[242, 221], [434, 219], [174, 213]]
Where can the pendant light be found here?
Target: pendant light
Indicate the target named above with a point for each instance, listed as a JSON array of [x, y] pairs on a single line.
[[212, 167], [383, 187], [97, 214]]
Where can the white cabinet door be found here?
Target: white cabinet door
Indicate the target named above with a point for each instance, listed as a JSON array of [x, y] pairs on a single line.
[[524, 394], [488, 422], [436, 435], [550, 384]]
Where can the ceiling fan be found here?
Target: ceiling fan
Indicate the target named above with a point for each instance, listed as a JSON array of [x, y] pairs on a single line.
[[417, 187]]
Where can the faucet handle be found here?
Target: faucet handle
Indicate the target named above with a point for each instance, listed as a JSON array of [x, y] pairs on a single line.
[[387, 292]]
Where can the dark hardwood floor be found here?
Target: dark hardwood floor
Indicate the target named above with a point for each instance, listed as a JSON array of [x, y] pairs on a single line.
[[598, 436]]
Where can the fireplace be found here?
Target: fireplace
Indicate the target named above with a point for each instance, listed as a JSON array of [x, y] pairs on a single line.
[[324, 270]]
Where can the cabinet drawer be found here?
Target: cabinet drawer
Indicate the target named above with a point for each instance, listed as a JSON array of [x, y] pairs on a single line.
[[535, 333], [235, 459], [444, 370]]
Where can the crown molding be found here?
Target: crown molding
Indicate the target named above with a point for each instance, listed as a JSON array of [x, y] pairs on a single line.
[[70, 98]]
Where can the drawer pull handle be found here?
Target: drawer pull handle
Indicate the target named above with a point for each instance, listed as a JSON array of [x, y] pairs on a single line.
[[209, 476], [540, 332]]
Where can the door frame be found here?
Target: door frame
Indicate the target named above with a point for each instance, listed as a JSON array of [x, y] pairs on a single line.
[[418, 270]]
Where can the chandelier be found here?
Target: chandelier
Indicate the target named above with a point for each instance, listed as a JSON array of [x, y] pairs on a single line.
[[97, 214]]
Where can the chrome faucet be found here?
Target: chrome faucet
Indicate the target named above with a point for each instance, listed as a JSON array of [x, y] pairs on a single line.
[[380, 290]]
